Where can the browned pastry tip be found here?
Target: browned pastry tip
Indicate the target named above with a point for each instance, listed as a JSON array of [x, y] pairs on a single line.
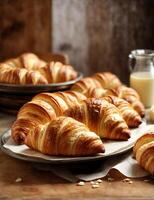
[[101, 117], [130, 95], [21, 128], [131, 117]]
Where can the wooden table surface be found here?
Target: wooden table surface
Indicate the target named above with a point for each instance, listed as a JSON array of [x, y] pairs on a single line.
[[45, 185]]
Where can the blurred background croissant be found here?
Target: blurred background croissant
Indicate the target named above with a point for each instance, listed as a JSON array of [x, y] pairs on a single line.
[[96, 35]]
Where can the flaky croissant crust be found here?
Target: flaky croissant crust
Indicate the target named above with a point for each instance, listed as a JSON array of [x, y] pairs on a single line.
[[106, 83], [64, 136], [144, 152], [98, 115], [30, 69]]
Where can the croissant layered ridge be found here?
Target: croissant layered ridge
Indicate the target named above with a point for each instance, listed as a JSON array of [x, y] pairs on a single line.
[[105, 80], [131, 117], [101, 117], [43, 108], [28, 68], [56, 72], [144, 152], [123, 92], [65, 136]]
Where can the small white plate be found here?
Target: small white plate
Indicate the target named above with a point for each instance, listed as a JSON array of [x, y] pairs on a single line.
[[111, 148]]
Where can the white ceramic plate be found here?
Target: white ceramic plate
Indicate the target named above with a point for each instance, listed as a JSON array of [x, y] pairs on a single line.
[[25, 153]]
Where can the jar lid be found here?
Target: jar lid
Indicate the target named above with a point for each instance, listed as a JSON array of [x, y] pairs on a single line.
[[141, 53]]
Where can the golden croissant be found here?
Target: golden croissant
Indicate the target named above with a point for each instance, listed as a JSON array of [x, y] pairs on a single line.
[[144, 152], [101, 117], [64, 136], [30, 69], [105, 80], [130, 95], [131, 117], [56, 72], [123, 92], [42, 109]]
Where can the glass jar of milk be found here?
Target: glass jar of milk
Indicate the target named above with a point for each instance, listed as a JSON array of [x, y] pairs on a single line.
[[141, 63]]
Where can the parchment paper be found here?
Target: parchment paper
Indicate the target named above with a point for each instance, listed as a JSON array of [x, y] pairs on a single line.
[[111, 147], [124, 163]]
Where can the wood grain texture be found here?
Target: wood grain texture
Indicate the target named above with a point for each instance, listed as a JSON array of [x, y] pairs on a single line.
[[25, 26], [42, 185], [98, 35]]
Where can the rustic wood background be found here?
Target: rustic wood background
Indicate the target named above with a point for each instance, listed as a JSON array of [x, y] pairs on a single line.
[[96, 34], [24, 26]]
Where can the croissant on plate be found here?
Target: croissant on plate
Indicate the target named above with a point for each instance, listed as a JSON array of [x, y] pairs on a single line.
[[123, 92], [43, 108], [22, 76], [144, 152], [130, 95], [101, 117], [64, 136], [30, 69], [105, 80], [56, 72], [131, 117]]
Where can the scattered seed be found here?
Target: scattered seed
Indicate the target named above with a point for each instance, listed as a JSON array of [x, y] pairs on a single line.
[[110, 179], [146, 180], [92, 182], [18, 180], [130, 182], [95, 186], [99, 181], [126, 180], [81, 183]]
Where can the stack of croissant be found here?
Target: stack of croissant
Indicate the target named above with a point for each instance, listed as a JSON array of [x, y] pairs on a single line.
[[74, 122], [30, 69]]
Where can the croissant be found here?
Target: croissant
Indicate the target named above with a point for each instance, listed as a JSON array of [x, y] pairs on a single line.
[[64, 136], [144, 152], [85, 84], [42, 109], [101, 117], [123, 92], [130, 95], [107, 80], [131, 117], [56, 72], [99, 80], [29, 69], [20, 76]]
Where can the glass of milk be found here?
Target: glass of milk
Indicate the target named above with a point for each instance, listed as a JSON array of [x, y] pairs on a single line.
[[141, 64]]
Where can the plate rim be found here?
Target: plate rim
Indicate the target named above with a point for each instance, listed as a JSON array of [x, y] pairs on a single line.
[[18, 88], [67, 161]]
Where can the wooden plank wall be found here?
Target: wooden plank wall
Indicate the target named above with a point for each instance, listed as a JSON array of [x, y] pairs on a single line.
[[96, 34], [99, 34], [24, 26]]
